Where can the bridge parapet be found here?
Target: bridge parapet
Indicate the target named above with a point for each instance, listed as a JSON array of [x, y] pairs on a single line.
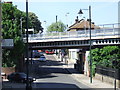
[[76, 39], [104, 32]]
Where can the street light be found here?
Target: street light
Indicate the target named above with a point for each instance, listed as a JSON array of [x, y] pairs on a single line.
[[28, 83], [0, 40], [80, 12], [45, 27], [57, 23], [21, 27], [67, 19]]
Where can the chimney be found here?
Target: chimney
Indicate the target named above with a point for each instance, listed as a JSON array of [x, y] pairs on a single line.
[[76, 20], [93, 22], [88, 20]]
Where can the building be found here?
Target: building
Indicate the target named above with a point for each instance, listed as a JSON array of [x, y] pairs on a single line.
[[82, 25], [81, 55]]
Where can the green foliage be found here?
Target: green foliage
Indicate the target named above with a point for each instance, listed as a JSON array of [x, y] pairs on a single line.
[[11, 30], [11, 24], [108, 56], [56, 27], [34, 22]]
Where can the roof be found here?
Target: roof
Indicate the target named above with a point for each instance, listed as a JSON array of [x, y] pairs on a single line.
[[80, 25]]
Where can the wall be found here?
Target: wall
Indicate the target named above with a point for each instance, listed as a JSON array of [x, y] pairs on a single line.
[[107, 79], [73, 54]]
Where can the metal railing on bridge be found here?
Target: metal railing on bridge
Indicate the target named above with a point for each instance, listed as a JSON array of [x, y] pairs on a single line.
[[103, 31]]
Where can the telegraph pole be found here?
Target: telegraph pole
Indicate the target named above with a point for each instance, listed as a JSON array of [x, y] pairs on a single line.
[[0, 42], [28, 87], [56, 18], [90, 46]]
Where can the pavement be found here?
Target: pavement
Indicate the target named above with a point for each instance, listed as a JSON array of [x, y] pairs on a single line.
[[82, 78]]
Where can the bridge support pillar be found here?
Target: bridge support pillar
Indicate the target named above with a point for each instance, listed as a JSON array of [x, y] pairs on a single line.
[[80, 61]]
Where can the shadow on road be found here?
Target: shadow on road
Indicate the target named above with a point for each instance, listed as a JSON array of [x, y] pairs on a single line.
[[42, 86], [46, 69], [55, 85]]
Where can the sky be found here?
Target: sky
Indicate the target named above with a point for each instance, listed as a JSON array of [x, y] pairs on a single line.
[[102, 11]]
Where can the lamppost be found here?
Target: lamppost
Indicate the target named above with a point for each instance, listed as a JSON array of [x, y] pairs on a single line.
[[80, 12], [56, 18], [67, 19], [45, 27], [57, 23], [21, 27], [28, 83], [0, 40]]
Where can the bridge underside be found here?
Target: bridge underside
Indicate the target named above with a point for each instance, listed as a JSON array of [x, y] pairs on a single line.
[[85, 44]]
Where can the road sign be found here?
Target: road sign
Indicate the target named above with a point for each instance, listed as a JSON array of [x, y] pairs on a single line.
[[7, 43]]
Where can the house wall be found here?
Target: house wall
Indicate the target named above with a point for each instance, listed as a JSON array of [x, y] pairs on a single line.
[[73, 54]]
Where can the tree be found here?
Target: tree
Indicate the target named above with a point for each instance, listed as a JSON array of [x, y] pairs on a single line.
[[11, 30], [34, 22], [56, 27]]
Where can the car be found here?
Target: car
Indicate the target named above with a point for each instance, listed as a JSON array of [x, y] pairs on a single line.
[[42, 58], [19, 77], [49, 51], [36, 54]]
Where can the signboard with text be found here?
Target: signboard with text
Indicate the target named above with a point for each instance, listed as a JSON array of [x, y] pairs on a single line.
[[7, 43]]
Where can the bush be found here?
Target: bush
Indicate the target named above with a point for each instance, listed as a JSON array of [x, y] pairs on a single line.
[[108, 56]]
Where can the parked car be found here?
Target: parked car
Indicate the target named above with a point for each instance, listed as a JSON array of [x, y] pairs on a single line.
[[19, 77], [42, 58], [36, 54], [49, 51]]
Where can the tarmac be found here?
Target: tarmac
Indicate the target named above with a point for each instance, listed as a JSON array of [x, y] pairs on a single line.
[[82, 78]]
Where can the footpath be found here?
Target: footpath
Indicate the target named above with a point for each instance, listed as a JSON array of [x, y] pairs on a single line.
[[96, 84]]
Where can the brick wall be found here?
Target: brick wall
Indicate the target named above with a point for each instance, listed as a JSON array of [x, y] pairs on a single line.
[[8, 70]]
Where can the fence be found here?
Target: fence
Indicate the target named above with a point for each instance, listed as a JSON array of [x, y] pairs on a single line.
[[114, 73], [109, 72], [104, 30]]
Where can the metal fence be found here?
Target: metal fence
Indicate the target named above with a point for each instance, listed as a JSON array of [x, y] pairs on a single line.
[[109, 72], [104, 30]]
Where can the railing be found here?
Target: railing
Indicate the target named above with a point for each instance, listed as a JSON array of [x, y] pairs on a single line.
[[109, 72], [105, 30]]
